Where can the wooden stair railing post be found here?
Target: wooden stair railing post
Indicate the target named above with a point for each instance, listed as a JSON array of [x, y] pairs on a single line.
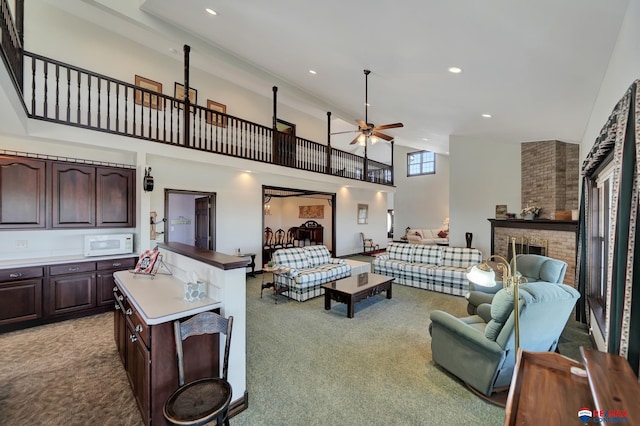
[[275, 154], [328, 168], [187, 102]]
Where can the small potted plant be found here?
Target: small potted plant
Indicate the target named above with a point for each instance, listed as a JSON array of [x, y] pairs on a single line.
[[530, 212]]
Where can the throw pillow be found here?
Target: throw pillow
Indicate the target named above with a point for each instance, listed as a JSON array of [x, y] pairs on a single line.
[[443, 234]]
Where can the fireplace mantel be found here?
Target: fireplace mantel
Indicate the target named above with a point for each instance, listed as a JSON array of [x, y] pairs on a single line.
[[545, 224]]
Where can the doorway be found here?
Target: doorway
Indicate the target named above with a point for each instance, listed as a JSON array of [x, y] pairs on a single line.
[[304, 217], [190, 218]]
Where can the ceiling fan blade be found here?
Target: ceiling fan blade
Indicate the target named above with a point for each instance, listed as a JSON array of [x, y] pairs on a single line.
[[348, 131], [362, 124], [388, 126], [383, 136], [355, 140]]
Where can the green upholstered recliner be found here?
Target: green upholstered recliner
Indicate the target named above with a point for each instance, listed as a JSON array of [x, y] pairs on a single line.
[[533, 267], [480, 349]]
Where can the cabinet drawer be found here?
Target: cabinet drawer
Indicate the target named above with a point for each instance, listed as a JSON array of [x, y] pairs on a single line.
[[20, 273], [138, 325], [72, 268], [125, 263]]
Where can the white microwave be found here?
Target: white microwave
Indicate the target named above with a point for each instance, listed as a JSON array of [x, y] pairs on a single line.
[[108, 244]]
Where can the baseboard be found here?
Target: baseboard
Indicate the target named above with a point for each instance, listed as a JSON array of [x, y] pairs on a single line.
[[239, 405]]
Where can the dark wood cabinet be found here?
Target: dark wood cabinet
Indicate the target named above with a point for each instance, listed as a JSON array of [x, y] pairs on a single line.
[[47, 194], [105, 283], [69, 293], [120, 324], [115, 197], [138, 365], [74, 196], [20, 294], [22, 192]]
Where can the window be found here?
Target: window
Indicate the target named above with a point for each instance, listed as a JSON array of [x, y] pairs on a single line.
[[601, 226], [421, 163]]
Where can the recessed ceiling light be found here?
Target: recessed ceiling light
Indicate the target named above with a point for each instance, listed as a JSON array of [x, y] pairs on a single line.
[[173, 50], [455, 70], [486, 115], [312, 72], [425, 139], [211, 11]]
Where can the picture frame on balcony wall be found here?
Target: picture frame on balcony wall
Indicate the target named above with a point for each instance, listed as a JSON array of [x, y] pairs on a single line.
[[220, 120], [145, 98], [363, 214], [178, 93]]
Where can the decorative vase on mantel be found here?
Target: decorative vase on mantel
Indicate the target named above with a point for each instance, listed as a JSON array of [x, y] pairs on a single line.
[[529, 216]]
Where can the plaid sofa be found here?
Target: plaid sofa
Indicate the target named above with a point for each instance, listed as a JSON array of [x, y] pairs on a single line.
[[306, 269], [435, 268]]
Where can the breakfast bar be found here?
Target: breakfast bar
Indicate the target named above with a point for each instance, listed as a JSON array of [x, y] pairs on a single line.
[[146, 307]]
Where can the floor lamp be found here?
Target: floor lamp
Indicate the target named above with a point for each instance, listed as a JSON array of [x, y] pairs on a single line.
[[484, 276]]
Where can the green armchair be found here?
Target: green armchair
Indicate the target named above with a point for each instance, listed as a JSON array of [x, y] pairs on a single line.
[[533, 267], [480, 349]]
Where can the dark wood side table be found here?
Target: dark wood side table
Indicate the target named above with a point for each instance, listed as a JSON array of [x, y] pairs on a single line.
[[251, 265], [277, 289]]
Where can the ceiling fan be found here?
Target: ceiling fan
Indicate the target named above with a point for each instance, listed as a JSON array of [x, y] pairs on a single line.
[[369, 131]]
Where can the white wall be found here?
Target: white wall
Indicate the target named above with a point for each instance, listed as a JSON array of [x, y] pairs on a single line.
[[484, 173], [623, 70], [419, 201]]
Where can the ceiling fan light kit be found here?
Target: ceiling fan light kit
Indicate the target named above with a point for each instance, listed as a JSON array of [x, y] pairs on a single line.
[[369, 131]]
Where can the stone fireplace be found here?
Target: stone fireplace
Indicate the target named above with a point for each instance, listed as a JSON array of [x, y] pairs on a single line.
[[550, 180]]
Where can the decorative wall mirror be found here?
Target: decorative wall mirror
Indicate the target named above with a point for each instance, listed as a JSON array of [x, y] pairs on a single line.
[[363, 214]]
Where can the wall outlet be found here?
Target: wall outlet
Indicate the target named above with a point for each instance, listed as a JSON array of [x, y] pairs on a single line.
[[22, 244]]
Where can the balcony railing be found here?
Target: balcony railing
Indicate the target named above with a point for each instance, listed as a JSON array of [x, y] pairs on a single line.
[[11, 39], [62, 93]]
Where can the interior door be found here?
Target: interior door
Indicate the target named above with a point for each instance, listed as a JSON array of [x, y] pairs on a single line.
[[202, 223]]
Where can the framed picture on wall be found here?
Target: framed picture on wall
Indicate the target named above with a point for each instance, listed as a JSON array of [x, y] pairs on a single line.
[[363, 214], [178, 93], [145, 98], [216, 119]]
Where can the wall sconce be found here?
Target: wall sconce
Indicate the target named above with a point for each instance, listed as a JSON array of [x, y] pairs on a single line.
[[147, 182]]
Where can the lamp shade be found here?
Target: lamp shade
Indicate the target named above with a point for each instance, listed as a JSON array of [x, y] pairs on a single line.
[[482, 275]]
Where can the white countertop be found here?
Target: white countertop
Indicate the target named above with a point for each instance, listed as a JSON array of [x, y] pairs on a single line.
[[55, 260], [160, 299]]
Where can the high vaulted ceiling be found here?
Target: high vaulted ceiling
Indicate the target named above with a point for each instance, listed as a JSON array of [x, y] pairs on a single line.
[[534, 66]]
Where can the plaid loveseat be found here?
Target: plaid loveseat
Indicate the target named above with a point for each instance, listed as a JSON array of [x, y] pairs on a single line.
[[306, 269], [435, 268]]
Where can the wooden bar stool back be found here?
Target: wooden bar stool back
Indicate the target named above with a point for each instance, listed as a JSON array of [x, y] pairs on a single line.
[[203, 400]]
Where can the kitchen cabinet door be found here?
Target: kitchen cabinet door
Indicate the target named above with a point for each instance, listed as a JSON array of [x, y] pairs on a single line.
[[115, 197], [74, 196], [138, 365], [105, 283], [71, 293], [22, 192]]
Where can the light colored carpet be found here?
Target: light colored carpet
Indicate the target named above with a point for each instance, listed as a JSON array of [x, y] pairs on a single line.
[[305, 366]]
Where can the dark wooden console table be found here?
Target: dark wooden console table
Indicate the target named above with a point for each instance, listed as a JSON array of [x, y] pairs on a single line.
[[550, 388]]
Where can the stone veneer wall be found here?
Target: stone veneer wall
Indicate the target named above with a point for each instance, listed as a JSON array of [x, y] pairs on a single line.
[[550, 176], [561, 245]]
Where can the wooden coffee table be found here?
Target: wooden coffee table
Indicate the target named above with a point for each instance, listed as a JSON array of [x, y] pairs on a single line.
[[355, 288]]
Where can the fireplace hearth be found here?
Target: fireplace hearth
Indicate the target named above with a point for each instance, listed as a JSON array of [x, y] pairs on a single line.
[[553, 238]]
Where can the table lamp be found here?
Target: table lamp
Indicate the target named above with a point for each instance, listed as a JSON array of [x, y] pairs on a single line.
[[484, 276]]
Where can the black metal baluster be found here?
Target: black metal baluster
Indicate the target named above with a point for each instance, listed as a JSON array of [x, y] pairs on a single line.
[[68, 94], [88, 99], [79, 112], [108, 105], [57, 92], [33, 86]]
